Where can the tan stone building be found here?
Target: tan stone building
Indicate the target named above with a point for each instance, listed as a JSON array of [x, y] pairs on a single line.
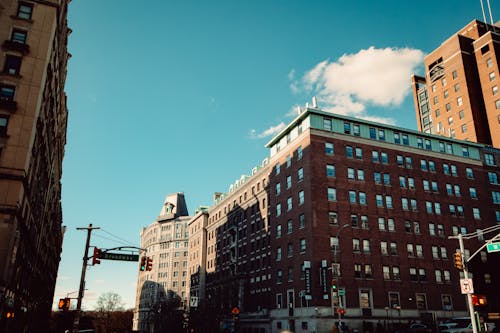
[[165, 241], [33, 119], [459, 95]]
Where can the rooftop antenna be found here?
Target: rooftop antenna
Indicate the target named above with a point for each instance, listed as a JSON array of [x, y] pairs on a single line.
[[491, 15], [299, 111], [315, 102], [482, 9], [307, 105]]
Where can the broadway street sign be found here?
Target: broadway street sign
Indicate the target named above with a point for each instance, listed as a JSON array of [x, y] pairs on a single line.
[[119, 256]]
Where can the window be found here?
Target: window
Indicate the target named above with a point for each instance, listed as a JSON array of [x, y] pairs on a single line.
[[494, 90], [356, 130], [329, 150], [476, 213], [377, 178], [489, 159], [302, 221], [366, 245], [349, 151], [492, 178], [375, 156], [381, 223], [278, 209], [7, 92], [359, 153], [397, 138], [492, 76], [388, 201], [300, 174], [278, 168], [25, 11], [489, 63], [288, 182], [301, 198], [448, 107], [279, 276], [423, 165], [406, 141], [373, 133], [4, 120], [469, 173], [362, 198], [352, 197], [278, 189], [299, 153], [381, 135], [355, 245], [460, 101], [350, 173], [387, 273], [332, 194], [333, 218], [385, 158], [347, 128], [278, 254], [420, 143], [289, 204], [327, 124], [379, 200], [461, 114], [303, 245], [394, 249], [290, 250], [496, 197], [12, 64], [288, 161], [432, 166], [18, 36]]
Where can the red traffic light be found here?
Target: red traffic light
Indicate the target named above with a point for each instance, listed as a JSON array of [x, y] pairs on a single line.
[[96, 256], [149, 263]]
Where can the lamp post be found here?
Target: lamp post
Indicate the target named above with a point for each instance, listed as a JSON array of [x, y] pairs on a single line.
[[336, 273]]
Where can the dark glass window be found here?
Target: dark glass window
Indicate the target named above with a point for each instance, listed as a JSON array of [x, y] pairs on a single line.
[[19, 36], [12, 64], [25, 10]]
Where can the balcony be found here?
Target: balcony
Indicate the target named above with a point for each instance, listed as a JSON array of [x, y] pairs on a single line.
[[16, 46]]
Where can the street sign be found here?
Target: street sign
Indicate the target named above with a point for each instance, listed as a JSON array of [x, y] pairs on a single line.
[[493, 247], [341, 292], [466, 286], [119, 256]]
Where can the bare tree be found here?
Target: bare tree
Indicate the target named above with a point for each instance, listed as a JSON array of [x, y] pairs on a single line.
[[109, 301]]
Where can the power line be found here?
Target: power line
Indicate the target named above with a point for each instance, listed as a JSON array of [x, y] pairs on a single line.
[[117, 237], [112, 240]]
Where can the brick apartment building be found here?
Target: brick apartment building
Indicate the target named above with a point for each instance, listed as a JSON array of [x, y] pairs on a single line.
[[459, 95], [372, 202], [33, 119]]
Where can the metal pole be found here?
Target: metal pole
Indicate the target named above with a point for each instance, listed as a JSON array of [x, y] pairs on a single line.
[[336, 274], [76, 321], [469, 296]]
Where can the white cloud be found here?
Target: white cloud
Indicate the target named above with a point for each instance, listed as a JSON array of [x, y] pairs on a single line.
[[378, 77], [268, 132]]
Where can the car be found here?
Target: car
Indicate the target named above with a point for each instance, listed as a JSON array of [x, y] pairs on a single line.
[[454, 322], [416, 328], [461, 328]]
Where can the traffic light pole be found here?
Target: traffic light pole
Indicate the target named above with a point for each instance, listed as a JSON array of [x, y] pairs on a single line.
[[466, 276], [82, 278]]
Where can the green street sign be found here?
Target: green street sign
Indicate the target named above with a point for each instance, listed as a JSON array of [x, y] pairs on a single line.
[[341, 292], [493, 247], [119, 256]]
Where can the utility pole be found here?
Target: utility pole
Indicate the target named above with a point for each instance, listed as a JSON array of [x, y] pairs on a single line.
[[82, 279], [466, 276]]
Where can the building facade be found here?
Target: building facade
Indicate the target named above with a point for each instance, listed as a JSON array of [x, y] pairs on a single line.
[[458, 97], [165, 242], [367, 205], [33, 121]]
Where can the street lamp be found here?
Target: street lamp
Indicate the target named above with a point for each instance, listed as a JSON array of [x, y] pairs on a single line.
[[336, 273]]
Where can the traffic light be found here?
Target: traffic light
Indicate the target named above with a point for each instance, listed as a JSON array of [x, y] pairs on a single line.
[[96, 256], [334, 285], [64, 303], [10, 315], [458, 260], [142, 267], [149, 263]]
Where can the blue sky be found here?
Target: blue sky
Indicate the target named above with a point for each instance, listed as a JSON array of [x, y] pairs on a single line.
[[181, 96]]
